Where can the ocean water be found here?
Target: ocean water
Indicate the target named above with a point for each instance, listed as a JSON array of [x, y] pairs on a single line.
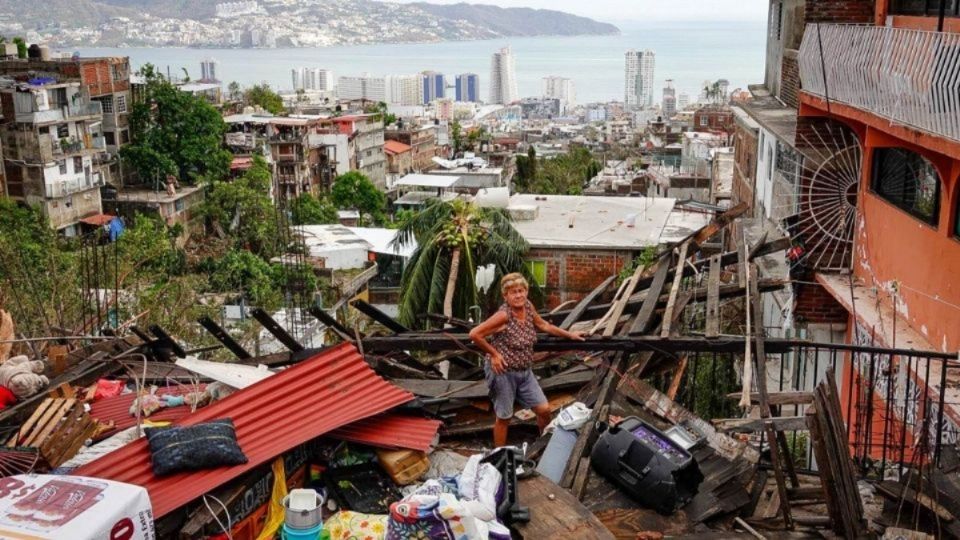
[[687, 52]]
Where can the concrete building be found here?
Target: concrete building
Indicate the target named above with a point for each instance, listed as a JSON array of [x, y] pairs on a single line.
[[421, 139], [638, 75], [364, 87], [208, 70], [365, 137], [669, 106], [51, 137], [503, 78], [105, 80], [577, 241], [404, 90], [399, 161], [434, 86], [562, 89], [468, 88]]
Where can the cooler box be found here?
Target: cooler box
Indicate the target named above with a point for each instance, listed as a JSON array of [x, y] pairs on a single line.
[[648, 465]]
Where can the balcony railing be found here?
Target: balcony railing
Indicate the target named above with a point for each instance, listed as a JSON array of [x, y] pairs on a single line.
[[906, 76]]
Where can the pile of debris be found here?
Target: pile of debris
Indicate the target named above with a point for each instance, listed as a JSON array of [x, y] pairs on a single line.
[[396, 447]]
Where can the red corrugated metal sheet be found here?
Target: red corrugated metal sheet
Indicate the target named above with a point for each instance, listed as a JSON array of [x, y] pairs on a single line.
[[392, 431], [117, 409], [318, 395]]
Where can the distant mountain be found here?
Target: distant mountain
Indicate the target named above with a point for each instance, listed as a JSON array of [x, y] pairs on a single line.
[[519, 21], [276, 23]]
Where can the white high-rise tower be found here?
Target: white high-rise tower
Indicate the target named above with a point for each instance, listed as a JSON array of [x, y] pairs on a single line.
[[503, 77], [560, 88], [639, 78]]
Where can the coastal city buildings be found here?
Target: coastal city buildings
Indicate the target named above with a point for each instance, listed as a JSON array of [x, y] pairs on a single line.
[[316, 79], [51, 135], [208, 71], [434, 86], [638, 74], [669, 106], [405, 90], [363, 87], [562, 89], [468, 87], [503, 78]]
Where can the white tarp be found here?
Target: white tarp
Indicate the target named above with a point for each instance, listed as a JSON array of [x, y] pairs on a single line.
[[74, 507]]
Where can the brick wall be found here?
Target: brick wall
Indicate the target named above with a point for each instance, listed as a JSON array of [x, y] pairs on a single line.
[[840, 11], [815, 305], [744, 165], [790, 81], [572, 274]]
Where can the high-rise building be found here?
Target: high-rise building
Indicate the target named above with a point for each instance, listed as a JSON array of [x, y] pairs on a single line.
[[363, 87], [669, 106], [325, 80], [683, 101], [208, 70], [434, 86], [560, 88], [639, 78], [468, 87], [503, 77], [404, 90], [297, 76]]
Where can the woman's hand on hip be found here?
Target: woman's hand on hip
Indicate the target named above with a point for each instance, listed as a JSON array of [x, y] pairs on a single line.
[[497, 363]]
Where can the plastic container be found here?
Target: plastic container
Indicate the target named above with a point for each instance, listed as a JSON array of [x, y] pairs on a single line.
[[404, 466], [288, 533], [303, 509]]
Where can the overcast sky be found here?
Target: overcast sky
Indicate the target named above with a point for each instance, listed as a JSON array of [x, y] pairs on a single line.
[[641, 10]]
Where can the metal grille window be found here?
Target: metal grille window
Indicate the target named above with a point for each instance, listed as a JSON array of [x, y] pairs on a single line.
[[907, 180], [121, 104], [925, 7], [107, 105]]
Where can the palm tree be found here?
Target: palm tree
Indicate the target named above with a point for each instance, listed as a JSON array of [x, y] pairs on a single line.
[[453, 239]]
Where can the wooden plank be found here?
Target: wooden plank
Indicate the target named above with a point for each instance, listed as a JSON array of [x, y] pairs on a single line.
[[584, 439], [387, 321], [743, 261], [778, 474], [555, 513], [641, 323], [677, 379], [713, 299], [674, 290], [719, 223], [28, 426], [49, 423], [584, 303], [756, 425], [779, 398]]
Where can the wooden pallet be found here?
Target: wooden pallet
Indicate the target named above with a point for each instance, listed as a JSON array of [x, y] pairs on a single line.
[[57, 428]]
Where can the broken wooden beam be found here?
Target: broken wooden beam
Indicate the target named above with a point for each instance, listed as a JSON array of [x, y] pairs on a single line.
[[779, 398], [577, 311], [278, 331], [389, 322], [222, 336], [756, 425], [712, 328]]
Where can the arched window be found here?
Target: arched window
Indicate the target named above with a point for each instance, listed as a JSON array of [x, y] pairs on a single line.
[[907, 180]]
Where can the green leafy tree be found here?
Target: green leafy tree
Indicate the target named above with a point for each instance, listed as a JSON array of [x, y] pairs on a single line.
[[263, 96], [308, 209], [354, 190], [526, 170], [233, 91], [175, 133], [453, 239], [21, 47], [379, 109], [243, 210], [39, 276], [456, 135], [565, 174], [241, 271]]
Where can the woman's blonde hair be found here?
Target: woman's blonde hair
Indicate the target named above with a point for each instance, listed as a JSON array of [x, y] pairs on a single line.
[[513, 280]]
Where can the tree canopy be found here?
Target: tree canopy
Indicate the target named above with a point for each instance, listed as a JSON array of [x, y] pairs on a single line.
[[355, 190], [243, 209], [453, 239], [565, 174], [308, 209], [175, 133], [264, 96]]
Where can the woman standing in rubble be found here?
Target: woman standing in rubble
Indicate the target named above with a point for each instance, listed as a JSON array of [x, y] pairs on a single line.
[[512, 331]]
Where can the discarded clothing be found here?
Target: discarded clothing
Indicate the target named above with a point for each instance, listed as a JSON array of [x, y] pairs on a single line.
[[347, 524]]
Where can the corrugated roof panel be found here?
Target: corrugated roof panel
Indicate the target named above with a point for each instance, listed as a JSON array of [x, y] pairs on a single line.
[[117, 409], [330, 390], [392, 431]]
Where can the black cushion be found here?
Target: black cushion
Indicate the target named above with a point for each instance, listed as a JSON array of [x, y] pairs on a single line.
[[201, 446]]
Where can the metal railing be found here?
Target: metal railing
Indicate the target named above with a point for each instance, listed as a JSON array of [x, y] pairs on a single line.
[[92, 108], [899, 406], [906, 76]]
